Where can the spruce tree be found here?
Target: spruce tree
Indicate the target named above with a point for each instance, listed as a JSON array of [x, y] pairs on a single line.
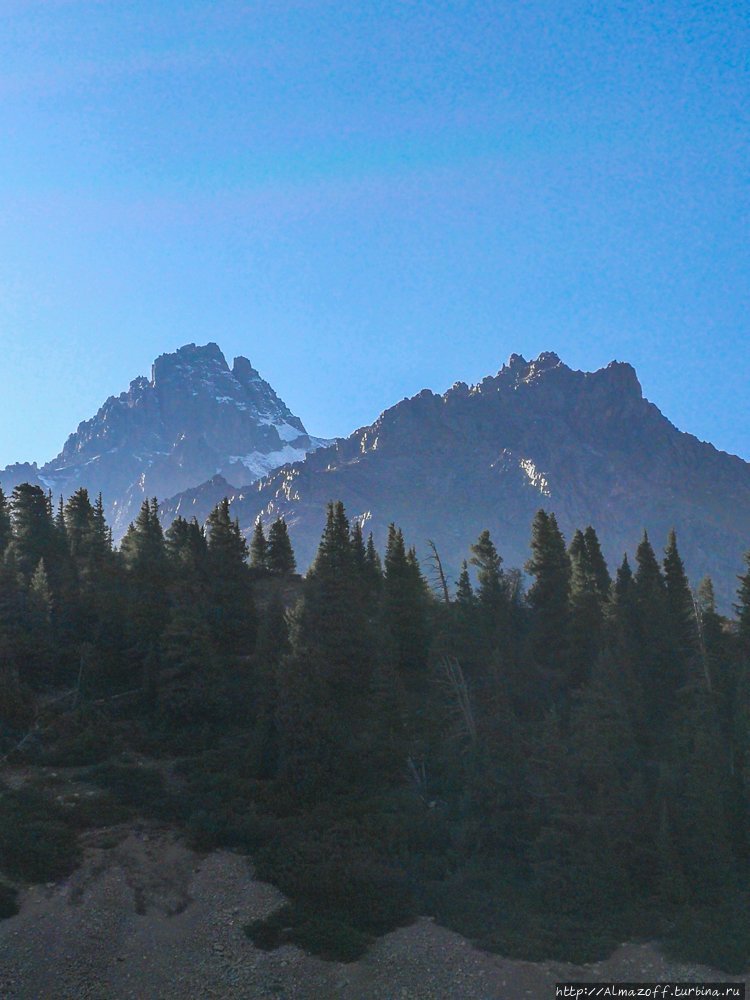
[[697, 793], [279, 554], [680, 606], [233, 615], [549, 597], [373, 573], [597, 564], [742, 607], [586, 611], [405, 597], [329, 739], [188, 638], [258, 547], [359, 549], [145, 561], [33, 529], [39, 646], [655, 661], [492, 594], [5, 534]]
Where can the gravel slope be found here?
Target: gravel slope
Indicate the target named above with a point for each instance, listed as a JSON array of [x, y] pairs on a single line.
[[145, 917]]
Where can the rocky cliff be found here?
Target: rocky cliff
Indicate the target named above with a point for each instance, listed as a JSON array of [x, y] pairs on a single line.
[[193, 419], [586, 445]]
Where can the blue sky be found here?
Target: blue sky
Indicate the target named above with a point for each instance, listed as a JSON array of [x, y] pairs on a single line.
[[366, 198]]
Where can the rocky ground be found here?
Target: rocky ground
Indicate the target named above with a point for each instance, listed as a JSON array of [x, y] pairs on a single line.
[[145, 917]]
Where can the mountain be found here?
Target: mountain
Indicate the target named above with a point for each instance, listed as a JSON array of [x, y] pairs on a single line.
[[193, 419], [585, 445]]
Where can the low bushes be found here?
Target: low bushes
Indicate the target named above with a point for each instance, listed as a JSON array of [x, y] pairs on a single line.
[[325, 936], [37, 843]]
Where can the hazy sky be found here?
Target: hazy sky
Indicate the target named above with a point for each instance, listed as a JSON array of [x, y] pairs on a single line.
[[366, 198]]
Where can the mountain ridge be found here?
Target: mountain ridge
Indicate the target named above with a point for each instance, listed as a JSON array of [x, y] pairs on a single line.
[[586, 445], [195, 417]]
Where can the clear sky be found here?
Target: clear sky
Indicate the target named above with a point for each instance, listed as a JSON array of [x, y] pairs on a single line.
[[367, 198]]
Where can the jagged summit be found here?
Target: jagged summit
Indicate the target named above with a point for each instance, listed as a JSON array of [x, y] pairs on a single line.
[[586, 445], [193, 419]]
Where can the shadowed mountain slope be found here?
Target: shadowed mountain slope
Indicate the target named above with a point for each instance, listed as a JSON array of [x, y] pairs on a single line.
[[585, 445], [194, 418]]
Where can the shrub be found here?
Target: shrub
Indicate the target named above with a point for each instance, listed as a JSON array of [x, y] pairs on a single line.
[[8, 901], [331, 872], [329, 938], [718, 936], [36, 843], [141, 788]]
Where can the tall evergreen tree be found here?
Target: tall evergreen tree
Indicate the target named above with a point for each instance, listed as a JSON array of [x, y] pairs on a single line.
[[234, 621], [330, 739], [188, 638], [405, 594], [597, 564], [39, 645], [5, 534], [373, 572], [548, 598], [279, 554], [586, 611], [742, 607], [680, 606], [492, 594], [697, 793], [655, 657], [33, 528], [259, 547], [145, 561]]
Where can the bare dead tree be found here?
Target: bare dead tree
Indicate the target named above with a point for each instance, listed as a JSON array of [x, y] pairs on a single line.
[[455, 682], [702, 643], [438, 568]]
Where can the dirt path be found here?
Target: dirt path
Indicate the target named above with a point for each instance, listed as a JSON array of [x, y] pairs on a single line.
[[148, 919]]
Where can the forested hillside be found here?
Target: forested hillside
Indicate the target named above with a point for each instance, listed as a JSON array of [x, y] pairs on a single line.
[[549, 771]]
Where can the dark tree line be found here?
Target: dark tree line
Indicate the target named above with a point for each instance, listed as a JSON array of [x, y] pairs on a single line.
[[586, 739]]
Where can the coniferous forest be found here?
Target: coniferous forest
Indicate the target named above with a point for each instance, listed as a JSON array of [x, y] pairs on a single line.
[[549, 759]]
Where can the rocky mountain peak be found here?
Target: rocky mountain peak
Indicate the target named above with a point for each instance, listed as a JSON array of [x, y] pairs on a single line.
[[244, 371], [193, 419], [188, 361], [586, 445]]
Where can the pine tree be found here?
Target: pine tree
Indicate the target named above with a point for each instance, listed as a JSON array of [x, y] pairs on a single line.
[[742, 607], [373, 573], [549, 597], [492, 594], [40, 596], [259, 547], [33, 529], [680, 606], [5, 534], [604, 764], [272, 649], [359, 550], [697, 793], [597, 564], [464, 591], [279, 555], [145, 561], [39, 645], [188, 638], [328, 737], [655, 660], [405, 596], [586, 611], [78, 518], [234, 621]]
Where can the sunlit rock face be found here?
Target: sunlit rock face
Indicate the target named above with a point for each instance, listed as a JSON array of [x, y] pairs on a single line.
[[585, 445], [195, 418]]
